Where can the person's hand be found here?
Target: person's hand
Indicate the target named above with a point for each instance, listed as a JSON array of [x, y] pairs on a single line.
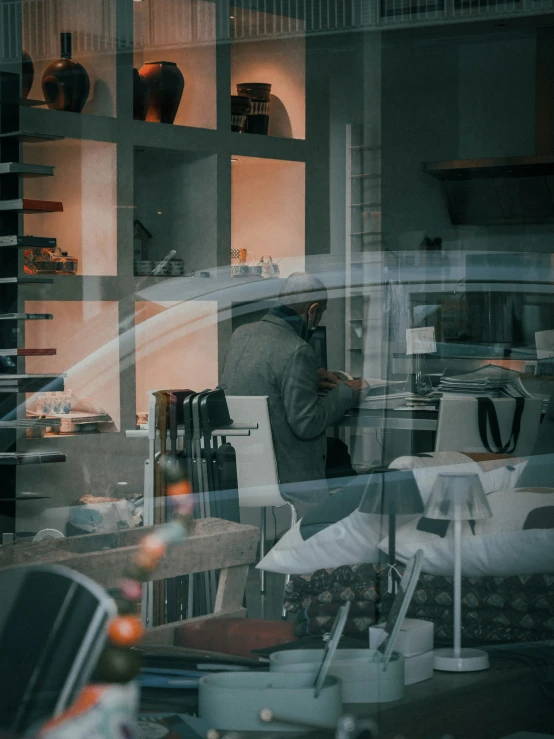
[[360, 388], [326, 380]]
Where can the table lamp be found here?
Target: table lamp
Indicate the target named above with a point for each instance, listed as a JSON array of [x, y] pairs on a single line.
[[391, 493], [458, 497]]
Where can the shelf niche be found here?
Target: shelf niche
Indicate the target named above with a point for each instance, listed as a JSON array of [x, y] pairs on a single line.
[[282, 63], [92, 24], [176, 202], [176, 346], [267, 211], [183, 33], [85, 182], [86, 336]]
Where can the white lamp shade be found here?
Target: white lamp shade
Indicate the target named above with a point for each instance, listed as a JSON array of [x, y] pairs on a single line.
[[457, 497]]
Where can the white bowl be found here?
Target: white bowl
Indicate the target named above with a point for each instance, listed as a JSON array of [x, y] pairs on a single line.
[[363, 678], [234, 700]]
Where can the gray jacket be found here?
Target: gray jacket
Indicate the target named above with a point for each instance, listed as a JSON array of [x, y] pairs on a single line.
[[269, 358]]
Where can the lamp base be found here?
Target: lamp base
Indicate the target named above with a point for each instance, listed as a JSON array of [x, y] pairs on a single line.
[[466, 660]]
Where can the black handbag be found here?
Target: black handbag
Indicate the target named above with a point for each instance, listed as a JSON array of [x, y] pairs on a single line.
[[488, 419]]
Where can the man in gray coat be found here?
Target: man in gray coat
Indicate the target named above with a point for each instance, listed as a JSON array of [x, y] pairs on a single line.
[[272, 357]]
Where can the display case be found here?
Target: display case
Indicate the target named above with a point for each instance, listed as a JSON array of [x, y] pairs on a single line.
[[278, 63], [268, 212], [152, 210], [181, 34], [85, 183], [176, 346], [175, 213], [92, 27], [86, 336]]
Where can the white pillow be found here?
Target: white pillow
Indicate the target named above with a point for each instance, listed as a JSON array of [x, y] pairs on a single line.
[[501, 555], [426, 469], [352, 540], [494, 474], [510, 508]]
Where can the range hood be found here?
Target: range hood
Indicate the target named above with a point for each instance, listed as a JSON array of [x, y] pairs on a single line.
[[509, 190], [498, 191]]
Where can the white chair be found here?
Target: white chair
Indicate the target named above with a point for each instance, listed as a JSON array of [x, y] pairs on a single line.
[[458, 426], [257, 474]]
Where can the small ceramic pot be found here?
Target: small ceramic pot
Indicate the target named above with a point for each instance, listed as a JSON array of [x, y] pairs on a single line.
[[166, 84]]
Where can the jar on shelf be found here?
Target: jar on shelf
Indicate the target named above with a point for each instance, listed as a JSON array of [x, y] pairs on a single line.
[[258, 112]]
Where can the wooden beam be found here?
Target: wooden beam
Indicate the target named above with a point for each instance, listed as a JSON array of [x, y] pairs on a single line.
[[213, 544], [230, 590]]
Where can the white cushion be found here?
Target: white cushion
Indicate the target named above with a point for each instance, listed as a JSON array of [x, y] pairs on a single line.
[[501, 555], [510, 508], [494, 475], [352, 540]]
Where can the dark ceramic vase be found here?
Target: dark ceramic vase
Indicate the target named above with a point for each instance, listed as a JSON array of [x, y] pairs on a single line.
[[258, 114], [141, 96], [27, 74], [240, 105], [166, 84], [65, 82]]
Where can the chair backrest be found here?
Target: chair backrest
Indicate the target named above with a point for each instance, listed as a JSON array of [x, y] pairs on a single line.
[[256, 463], [458, 427], [52, 629]]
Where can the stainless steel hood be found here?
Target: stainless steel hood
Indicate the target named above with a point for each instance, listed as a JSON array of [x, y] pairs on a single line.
[[498, 191]]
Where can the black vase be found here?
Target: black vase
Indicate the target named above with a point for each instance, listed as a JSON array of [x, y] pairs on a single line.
[[27, 74], [166, 84], [141, 96], [65, 82]]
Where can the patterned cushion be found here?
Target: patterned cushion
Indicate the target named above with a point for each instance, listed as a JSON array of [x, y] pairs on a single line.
[[494, 609]]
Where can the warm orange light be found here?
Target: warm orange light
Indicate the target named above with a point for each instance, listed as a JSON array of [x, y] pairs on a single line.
[[125, 631], [183, 487]]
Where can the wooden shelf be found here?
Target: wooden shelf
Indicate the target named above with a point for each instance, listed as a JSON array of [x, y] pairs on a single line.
[[27, 242], [26, 281], [20, 458], [30, 206], [26, 317], [30, 103], [26, 170], [27, 352], [31, 137]]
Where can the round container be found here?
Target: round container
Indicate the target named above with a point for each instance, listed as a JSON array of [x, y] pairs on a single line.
[[258, 112], [240, 105], [363, 678], [233, 700]]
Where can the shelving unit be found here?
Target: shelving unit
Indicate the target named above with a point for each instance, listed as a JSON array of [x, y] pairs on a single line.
[[12, 379], [363, 239], [179, 181]]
